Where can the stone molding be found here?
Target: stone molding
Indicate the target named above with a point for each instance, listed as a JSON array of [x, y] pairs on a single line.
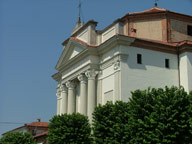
[[70, 84], [82, 78], [90, 74], [117, 65]]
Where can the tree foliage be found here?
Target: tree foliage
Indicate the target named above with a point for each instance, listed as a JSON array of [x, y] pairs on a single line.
[[17, 138], [159, 116], [69, 128], [110, 123]]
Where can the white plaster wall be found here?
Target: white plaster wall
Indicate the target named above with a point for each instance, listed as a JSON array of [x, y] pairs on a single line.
[[84, 35], [189, 54], [108, 34], [109, 54], [151, 73], [186, 70], [107, 84]]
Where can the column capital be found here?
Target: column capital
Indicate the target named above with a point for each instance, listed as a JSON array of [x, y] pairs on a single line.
[[70, 85], [63, 88], [58, 93], [90, 74], [117, 65], [82, 78]]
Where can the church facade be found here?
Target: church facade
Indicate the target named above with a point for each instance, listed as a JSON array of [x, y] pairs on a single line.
[[152, 48]]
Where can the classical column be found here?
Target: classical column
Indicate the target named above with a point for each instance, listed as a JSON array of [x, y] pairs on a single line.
[[91, 93], [83, 94], [58, 94], [71, 97], [63, 99]]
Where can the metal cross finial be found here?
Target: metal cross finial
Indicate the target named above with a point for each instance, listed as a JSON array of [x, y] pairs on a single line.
[[79, 6], [156, 3]]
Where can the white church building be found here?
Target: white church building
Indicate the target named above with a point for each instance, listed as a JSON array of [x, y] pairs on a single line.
[[152, 48]]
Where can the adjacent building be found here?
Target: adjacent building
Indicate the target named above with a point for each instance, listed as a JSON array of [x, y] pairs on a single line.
[[37, 129], [145, 49]]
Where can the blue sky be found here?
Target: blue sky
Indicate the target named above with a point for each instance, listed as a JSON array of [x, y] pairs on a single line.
[[31, 33]]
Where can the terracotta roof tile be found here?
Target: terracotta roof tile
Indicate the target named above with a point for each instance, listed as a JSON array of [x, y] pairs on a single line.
[[152, 10], [41, 134], [38, 124]]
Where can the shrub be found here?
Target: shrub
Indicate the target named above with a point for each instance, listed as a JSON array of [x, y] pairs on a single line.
[[17, 138], [110, 123], [69, 128], [160, 116]]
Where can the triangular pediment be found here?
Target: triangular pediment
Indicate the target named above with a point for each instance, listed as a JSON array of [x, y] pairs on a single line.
[[71, 50], [76, 51]]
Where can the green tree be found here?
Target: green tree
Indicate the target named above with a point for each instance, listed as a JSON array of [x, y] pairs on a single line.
[[17, 138], [69, 129], [159, 116], [110, 123]]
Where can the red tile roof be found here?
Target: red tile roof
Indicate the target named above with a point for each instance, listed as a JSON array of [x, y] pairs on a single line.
[[41, 134], [171, 44], [38, 124], [152, 10]]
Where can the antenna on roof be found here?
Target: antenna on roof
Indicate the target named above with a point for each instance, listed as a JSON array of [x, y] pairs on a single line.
[[156, 3]]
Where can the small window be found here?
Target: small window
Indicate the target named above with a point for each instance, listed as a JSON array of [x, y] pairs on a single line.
[[139, 58], [189, 30], [167, 63]]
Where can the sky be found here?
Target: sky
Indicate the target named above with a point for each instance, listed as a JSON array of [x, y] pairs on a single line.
[[31, 33]]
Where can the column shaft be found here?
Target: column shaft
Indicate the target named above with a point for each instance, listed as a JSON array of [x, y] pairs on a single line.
[[83, 94], [71, 97], [91, 93], [64, 100]]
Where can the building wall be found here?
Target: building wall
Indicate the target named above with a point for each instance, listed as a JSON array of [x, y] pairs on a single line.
[[179, 30], [151, 73], [84, 35], [149, 29], [108, 34], [186, 70]]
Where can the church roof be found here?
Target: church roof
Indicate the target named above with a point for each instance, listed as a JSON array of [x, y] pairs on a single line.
[[154, 10], [173, 44]]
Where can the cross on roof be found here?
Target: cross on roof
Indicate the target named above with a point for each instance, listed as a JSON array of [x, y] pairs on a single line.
[[79, 6], [156, 3]]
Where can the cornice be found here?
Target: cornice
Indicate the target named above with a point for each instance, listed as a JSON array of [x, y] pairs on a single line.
[[80, 71], [113, 42], [150, 45], [57, 76], [185, 48]]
